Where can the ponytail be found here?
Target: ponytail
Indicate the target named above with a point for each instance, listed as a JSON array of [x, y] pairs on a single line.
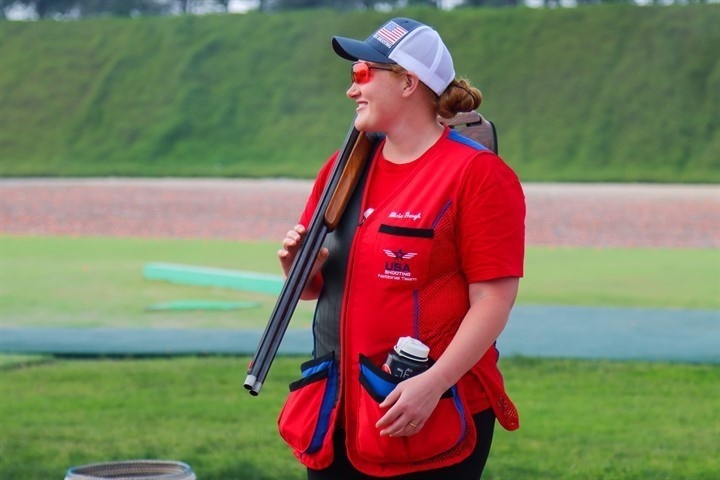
[[459, 96]]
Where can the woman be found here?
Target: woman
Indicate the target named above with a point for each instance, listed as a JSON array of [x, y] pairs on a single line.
[[431, 247]]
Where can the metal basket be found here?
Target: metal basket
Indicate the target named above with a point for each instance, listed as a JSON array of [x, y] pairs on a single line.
[[132, 470]]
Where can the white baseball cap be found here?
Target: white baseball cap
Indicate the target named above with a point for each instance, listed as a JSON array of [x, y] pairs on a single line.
[[411, 44]]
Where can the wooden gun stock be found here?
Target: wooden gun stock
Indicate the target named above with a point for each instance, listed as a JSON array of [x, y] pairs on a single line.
[[348, 180], [340, 185]]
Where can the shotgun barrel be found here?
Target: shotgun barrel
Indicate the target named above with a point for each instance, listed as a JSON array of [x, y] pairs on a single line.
[[333, 200]]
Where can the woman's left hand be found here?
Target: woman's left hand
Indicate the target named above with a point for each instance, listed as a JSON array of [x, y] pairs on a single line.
[[410, 405]]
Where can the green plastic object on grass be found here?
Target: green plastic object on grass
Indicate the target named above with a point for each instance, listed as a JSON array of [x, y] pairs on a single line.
[[184, 305], [214, 277]]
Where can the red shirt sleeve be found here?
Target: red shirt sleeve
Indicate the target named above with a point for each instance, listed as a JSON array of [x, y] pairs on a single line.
[[491, 220]]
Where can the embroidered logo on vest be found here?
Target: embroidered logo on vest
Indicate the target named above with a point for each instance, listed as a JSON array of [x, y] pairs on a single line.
[[397, 269]]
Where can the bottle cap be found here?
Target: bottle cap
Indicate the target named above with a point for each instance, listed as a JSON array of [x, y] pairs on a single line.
[[412, 348]]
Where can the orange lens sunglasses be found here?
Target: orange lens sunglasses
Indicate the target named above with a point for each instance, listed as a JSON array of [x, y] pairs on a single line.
[[360, 72]]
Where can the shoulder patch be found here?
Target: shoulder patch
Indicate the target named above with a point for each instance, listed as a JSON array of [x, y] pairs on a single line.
[[458, 137]]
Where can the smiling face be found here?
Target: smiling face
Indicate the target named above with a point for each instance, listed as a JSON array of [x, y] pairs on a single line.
[[378, 92]]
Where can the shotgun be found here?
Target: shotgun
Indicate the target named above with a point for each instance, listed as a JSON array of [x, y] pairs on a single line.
[[333, 200]]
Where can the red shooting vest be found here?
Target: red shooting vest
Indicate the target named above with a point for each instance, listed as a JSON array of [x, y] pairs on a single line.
[[403, 278]]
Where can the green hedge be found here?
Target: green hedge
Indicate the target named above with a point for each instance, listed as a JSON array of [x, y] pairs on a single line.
[[602, 93]]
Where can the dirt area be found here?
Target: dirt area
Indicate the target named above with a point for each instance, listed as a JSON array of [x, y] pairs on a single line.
[[600, 215]]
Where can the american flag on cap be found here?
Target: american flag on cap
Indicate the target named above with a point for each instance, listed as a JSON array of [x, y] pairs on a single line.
[[390, 33]]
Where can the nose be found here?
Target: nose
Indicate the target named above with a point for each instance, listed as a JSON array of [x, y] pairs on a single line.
[[353, 91]]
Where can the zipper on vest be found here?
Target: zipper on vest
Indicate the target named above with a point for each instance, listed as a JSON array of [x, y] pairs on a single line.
[[343, 361]]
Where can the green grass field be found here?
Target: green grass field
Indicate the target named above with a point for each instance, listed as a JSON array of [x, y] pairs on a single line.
[[580, 419], [98, 282]]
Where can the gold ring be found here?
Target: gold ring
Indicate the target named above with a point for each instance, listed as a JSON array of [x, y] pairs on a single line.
[[412, 424]]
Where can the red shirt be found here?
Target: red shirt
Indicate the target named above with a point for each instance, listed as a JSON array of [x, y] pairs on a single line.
[[452, 217]]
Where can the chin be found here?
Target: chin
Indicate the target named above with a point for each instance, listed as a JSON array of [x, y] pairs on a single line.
[[363, 124]]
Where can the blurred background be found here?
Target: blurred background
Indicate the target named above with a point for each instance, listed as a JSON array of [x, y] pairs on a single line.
[[608, 92], [139, 137]]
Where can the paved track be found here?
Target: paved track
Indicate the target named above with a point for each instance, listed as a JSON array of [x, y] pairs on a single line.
[[533, 331]]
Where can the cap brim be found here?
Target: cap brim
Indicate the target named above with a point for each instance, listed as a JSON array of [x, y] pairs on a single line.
[[354, 50]]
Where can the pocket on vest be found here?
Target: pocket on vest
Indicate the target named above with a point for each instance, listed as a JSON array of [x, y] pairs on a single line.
[[305, 418], [402, 256], [442, 431]]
